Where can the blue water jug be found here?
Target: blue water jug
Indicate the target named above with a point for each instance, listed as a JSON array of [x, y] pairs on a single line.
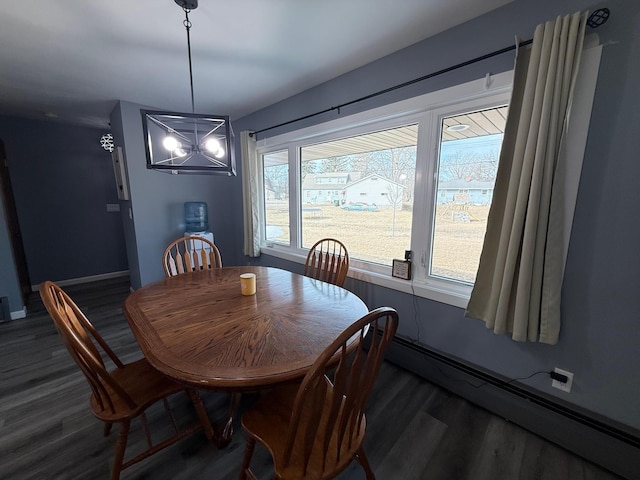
[[196, 218]]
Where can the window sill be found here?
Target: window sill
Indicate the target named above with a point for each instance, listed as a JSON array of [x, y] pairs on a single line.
[[456, 295]]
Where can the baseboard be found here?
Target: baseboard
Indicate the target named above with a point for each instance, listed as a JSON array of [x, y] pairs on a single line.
[[6, 314], [92, 278], [613, 446], [16, 315]]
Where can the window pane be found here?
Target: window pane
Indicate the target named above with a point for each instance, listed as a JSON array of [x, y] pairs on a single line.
[[276, 197], [360, 191], [469, 151]]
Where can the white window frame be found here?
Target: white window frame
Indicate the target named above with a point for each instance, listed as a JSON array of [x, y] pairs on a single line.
[[426, 110], [437, 288]]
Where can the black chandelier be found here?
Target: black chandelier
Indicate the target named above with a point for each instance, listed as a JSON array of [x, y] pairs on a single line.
[[188, 142]]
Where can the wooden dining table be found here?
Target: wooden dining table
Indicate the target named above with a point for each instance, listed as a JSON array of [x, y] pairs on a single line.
[[199, 329]]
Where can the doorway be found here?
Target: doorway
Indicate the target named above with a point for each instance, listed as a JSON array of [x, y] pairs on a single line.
[[13, 226]]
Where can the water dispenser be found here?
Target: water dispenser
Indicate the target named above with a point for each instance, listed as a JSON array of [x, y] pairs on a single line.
[[196, 218]]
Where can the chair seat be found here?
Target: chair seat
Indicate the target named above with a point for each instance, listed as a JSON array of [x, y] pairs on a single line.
[[143, 383], [268, 421]]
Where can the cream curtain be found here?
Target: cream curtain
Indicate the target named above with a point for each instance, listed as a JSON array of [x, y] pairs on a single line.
[[250, 196], [517, 288]]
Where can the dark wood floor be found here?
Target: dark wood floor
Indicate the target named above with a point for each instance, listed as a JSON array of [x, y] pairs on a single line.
[[415, 429]]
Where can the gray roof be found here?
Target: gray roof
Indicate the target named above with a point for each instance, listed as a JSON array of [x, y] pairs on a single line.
[[375, 175], [462, 184], [311, 180]]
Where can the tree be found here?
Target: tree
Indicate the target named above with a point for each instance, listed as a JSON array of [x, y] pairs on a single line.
[[394, 196], [397, 165], [335, 164], [277, 179], [460, 165]]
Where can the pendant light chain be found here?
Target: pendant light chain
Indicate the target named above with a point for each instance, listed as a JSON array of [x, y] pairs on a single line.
[[187, 26]]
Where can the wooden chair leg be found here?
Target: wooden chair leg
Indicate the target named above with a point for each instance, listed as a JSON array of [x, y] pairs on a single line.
[[248, 453], [121, 446], [364, 461], [202, 413], [225, 432]]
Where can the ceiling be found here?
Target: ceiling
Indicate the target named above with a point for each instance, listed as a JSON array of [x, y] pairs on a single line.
[[71, 60]]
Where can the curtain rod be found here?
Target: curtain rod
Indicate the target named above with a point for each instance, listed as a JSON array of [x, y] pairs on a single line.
[[596, 19], [399, 86]]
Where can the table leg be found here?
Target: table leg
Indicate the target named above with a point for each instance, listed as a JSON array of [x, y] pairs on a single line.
[[225, 431]]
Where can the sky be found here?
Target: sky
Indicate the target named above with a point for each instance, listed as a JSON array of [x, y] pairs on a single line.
[[484, 144]]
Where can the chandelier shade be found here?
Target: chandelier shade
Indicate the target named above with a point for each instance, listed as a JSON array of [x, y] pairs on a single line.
[[188, 142]]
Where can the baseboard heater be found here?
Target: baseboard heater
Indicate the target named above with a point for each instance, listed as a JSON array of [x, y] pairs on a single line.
[[524, 393], [612, 447]]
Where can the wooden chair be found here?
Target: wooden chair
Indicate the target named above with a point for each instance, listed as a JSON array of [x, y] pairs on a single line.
[[188, 254], [328, 260], [314, 430], [122, 394]]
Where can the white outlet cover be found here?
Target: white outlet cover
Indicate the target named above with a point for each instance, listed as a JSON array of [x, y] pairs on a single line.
[[565, 387]]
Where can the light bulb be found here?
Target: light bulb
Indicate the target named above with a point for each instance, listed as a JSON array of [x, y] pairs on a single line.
[[179, 152], [170, 143], [212, 145], [219, 153]]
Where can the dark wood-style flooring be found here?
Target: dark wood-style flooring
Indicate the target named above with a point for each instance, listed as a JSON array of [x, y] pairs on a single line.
[[415, 429]]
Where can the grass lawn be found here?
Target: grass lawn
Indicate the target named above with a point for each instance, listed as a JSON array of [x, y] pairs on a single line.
[[379, 237]]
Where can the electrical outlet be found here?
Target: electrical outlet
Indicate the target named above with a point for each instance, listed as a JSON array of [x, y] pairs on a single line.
[[564, 386]]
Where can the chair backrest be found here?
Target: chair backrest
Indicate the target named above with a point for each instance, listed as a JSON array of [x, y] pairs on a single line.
[[188, 254], [331, 411], [328, 260], [80, 338]]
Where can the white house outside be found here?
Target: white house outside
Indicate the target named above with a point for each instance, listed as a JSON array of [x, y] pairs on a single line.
[[326, 187], [469, 192], [374, 190]]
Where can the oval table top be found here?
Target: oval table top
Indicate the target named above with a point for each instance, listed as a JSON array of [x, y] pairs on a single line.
[[199, 329]]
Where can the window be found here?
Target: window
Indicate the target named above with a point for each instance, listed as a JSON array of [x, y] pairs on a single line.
[[276, 197], [407, 176], [370, 166], [467, 161]]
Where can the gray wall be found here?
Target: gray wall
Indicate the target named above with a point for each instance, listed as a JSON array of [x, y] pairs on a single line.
[[62, 181], [157, 203], [601, 301], [9, 284]]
